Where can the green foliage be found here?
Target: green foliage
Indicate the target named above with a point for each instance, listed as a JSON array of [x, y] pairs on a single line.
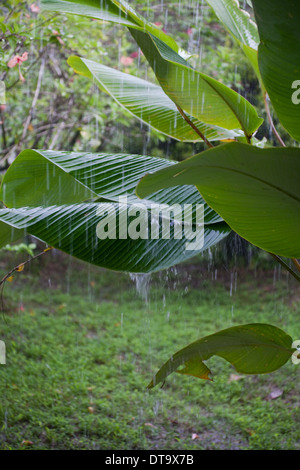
[[252, 349], [83, 189], [9, 233], [116, 11], [21, 248], [200, 95], [147, 102], [89, 123], [255, 190], [278, 26], [237, 21], [92, 122], [243, 29]]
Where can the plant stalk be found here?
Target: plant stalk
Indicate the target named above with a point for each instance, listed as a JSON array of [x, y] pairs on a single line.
[[274, 130], [296, 263], [192, 125], [280, 261]]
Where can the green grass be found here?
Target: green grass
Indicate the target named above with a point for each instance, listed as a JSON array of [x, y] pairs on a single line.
[[82, 346]]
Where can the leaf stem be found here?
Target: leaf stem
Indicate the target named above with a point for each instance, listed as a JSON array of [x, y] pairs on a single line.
[[296, 263], [248, 138], [266, 101], [280, 261], [192, 125]]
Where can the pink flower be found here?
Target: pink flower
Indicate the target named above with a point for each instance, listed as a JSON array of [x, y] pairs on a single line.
[[17, 60], [14, 61], [126, 60], [56, 34], [134, 54], [189, 31], [34, 8]]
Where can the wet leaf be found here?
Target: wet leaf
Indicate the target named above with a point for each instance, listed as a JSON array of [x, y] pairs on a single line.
[[116, 11], [237, 21], [201, 96], [148, 102], [256, 191], [56, 196], [196, 368], [255, 348], [242, 28], [278, 58]]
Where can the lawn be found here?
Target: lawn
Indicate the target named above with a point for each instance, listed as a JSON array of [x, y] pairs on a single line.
[[82, 345]]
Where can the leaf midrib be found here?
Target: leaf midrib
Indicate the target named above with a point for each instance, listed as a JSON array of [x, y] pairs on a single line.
[[209, 84], [277, 188]]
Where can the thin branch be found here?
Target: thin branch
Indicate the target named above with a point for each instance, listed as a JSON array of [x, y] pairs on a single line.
[[10, 12], [6, 151], [280, 261], [3, 129], [30, 114], [56, 136], [48, 20], [192, 125], [19, 268], [35, 98], [274, 130]]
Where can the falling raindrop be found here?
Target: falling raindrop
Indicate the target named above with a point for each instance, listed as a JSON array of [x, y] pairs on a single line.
[[142, 284]]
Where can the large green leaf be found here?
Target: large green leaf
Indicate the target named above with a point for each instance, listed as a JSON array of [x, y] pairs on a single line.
[[148, 102], [256, 348], [116, 11], [278, 57], [256, 191], [57, 196], [72, 229], [196, 93], [238, 22]]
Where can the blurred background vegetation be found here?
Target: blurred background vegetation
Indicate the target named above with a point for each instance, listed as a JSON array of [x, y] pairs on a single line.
[[63, 111]]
